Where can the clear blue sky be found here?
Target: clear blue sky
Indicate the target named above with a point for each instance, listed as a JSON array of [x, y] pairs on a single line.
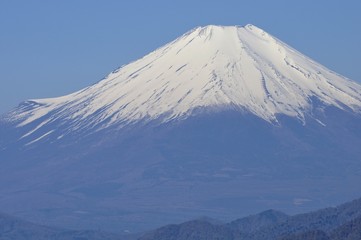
[[51, 48]]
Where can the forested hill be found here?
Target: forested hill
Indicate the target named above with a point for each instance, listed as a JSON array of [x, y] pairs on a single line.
[[341, 222]]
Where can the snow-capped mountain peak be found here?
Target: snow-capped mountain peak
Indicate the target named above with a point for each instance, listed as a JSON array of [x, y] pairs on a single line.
[[209, 67]]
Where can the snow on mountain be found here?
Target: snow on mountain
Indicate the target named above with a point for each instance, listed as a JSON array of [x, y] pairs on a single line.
[[215, 67]]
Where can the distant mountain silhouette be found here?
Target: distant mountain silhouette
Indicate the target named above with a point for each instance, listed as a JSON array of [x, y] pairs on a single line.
[[341, 222]]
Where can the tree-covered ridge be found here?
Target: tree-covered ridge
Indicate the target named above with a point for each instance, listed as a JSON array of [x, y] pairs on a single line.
[[341, 222]]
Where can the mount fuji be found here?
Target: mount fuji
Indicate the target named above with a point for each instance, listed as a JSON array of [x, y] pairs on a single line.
[[223, 122]]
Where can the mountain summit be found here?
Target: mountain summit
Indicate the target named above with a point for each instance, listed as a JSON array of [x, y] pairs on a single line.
[[221, 122], [212, 67]]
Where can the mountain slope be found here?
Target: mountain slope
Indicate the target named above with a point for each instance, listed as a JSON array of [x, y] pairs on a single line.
[[221, 122], [215, 67]]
